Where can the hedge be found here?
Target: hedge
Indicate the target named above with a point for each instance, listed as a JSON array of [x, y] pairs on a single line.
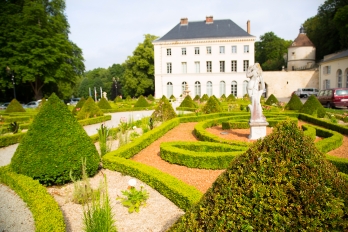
[[9, 139], [46, 212], [319, 122], [127, 109], [186, 109], [90, 121], [16, 118]]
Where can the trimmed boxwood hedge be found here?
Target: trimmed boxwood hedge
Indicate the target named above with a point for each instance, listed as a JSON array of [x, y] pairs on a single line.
[[46, 212], [319, 122], [89, 110], [313, 107], [14, 106], [188, 102], [142, 102], [104, 104]]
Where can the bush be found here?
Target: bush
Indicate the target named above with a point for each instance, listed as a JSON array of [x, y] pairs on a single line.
[[212, 106], [150, 98], [89, 110], [55, 145], [313, 107], [14, 106], [104, 104], [231, 98], [282, 183], [271, 100], [294, 103], [197, 98], [141, 102], [119, 99], [204, 98], [79, 106], [172, 98], [164, 111], [223, 97], [188, 102], [128, 98]]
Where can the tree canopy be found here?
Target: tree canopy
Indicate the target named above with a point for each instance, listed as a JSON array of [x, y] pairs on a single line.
[[270, 51], [138, 78], [34, 43]]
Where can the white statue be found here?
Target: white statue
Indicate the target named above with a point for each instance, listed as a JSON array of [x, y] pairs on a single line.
[[104, 95], [255, 89]]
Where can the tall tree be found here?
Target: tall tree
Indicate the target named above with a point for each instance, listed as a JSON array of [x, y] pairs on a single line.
[[34, 43], [138, 78], [270, 51]]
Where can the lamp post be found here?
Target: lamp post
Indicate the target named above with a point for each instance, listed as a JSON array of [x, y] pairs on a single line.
[[13, 80]]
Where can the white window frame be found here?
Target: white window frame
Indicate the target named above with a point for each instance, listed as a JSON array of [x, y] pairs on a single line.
[[169, 89], [222, 49], [233, 66], [209, 50], [222, 66], [169, 51], [222, 88], [183, 86], [246, 48], [184, 67], [198, 88], [196, 50], [245, 65], [209, 88], [197, 66], [234, 49], [234, 88], [209, 67], [169, 68], [183, 51]]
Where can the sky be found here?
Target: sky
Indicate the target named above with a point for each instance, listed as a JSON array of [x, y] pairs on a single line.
[[108, 31]]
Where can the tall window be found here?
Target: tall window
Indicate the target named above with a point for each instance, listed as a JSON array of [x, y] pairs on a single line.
[[222, 88], [327, 69], [245, 65], [209, 88], [169, 89], [234, 49], [234, 88], [246, 48], [197, 88], [169, 67], [169, 51], [208, 50], [326, 84], [197, 50], [209, 66], [222, 66], [222, 49], [233, 66], [245, 85], [183, 87], [184, 67], [197, 66], [339, 78], [346, 74], [183, 51]]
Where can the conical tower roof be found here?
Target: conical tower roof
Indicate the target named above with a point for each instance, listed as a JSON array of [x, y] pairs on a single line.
[[302, 40]]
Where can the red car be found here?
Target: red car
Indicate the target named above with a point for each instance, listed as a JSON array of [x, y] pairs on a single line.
[[332, 98]]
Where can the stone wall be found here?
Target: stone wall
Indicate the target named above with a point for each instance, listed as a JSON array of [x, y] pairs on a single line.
[[281, 83]]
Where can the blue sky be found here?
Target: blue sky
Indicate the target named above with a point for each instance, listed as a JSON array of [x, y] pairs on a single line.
[[108, 31]]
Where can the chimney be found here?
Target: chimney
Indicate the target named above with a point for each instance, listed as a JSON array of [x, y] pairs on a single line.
[[183, 21], [248, 26], [209, 19]]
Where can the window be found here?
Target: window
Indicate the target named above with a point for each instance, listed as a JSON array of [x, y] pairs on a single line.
[[326, 84], [197, 65], [233, 66], [209, 66], [169, 51], [234, 88], [346, 77], [197, 50], [234, 49], [208, 50], [245, 65], [183, 51], [246, 48], [198, 88], [222, 49], [222, 66], [169, 67], [339, 78], [169, 89], [183, 87], [327, 69], [222, 88], [245, 85], [209, 88], [184, 67]]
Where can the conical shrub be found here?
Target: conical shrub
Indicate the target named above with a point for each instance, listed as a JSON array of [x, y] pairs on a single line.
[[212, 106], [89, 110], [172, 98], [294, 103], [14, 106], [197, 98], [141, 102], [150, 97], [281, 183], [54, 145], [204, 98], [231, 98], [79, 106], [188, 102], [104, 104], [164, 111], [223, 97], [271, 100], [313, 107], [119, 99]]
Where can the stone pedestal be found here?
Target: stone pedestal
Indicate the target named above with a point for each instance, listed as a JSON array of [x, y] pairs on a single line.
[[257, 130]]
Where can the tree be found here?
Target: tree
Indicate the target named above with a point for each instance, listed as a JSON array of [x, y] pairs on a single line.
[[138, 78], [270, 50], [35, 45]]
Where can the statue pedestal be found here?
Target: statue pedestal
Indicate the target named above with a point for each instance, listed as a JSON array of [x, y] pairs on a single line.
[[257, 130]]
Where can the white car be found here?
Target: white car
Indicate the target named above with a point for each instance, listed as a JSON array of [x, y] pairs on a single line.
[[32, 104], [4, 106]]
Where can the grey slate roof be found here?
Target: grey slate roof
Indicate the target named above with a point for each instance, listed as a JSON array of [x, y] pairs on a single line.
[[339, 55], [200, 29]]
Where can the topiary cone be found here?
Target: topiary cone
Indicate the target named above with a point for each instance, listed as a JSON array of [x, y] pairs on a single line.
[[55, 145], [14, 106]]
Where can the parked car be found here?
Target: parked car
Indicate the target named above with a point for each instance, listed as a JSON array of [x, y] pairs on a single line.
[[74, 101], [335, 97], [32, 104], [306, 92], [4, 106]]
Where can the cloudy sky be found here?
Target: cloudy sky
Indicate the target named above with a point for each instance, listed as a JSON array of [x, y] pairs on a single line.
[[108, 31]]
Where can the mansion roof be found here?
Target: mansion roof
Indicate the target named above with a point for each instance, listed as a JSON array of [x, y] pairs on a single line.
[[302, 40], [224, 28]]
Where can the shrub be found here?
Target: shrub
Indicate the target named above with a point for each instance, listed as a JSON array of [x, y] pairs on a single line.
[[197, 98], [164, 111], [313, 107], [172, 98], [271, 100], [119, 99], [79, 105], [282, 183], [55, 145], [188, 102], [294, 103], [150, 98], [204, 98], [89, 110], [230, 98], [212, 106], [223, 97], [141, 102], [103, 104], [14, 106], [128, 98]]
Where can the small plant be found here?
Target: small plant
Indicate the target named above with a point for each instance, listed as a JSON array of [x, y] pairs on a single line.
[[151, 123], [123, 125], [103, 133], [133, 135], [133, 198], [122, 139]]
